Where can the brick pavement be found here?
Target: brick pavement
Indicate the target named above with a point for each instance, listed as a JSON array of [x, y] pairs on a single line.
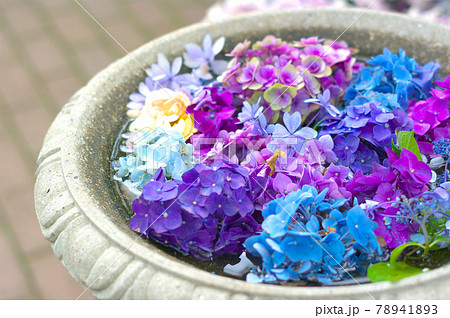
[[49, 49]]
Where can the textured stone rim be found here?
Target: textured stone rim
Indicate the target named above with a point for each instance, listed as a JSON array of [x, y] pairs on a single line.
[[87, 231]]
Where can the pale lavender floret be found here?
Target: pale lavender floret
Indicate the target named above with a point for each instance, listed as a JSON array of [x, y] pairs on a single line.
[[319, 150], [250, 113], [166, 75], [324, 101], [325, 145], [190, 83], [291, 132], [137, 100], [261, 128], [202, 59]]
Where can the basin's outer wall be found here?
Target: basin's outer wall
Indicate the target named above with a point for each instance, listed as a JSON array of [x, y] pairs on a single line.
[[83, 222]]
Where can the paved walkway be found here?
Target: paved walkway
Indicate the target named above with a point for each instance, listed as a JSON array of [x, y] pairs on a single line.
[[49, 49]]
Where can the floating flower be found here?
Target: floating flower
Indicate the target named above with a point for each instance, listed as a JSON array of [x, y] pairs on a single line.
[[395, 75], [316, 66], [166, 75], [166, 109], [411, 168], [193, 209], [290, 76], [286, 189], [361, 228], [250, 113], [137, 100], [323, 100], [202, 59], [150, 152], [280, 97], [294, 244], [212, 112], [291, 131], [345, 149]]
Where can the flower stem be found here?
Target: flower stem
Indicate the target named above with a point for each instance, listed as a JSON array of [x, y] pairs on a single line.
[[314, 118], [446, 171], [317, 125]]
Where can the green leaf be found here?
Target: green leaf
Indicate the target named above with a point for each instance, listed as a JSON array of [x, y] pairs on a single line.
[[255, 97], [398, 250], [407, 141], [434, 227], [441, 239], [385, 271], [395, 148]]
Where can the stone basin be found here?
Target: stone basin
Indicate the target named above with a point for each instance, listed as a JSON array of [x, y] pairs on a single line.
[[84, 220]]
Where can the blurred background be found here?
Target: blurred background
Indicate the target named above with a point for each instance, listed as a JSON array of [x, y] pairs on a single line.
[[48, 50]]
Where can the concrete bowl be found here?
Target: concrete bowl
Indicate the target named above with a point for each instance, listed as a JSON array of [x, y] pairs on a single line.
[[85, 222]]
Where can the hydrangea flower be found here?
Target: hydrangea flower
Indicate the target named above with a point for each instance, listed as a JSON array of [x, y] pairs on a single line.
[[318, 151], [164, 109], [370, 122], [289, 186], [280, 97], [400, 220], [361, 228], [291, 131], [394, 231], [202, 59], [431, 117], [345, 149], [160, 191], [212, 111], [249, 78], [187, 214], [323, 100], [296, 245], [392, 74], [405, 173], [364, 160], [250, 113], [316, 66], [137, 100], [166, 75], [150, 152], [280, 71]]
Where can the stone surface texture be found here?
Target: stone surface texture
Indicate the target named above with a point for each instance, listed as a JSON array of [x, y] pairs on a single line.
[[82, 218]]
